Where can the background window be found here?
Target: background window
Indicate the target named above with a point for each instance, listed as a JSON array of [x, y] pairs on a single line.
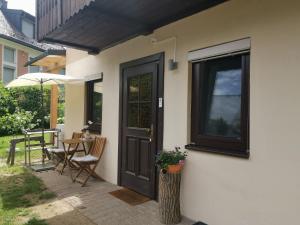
[[220, 105], [8, 75], [94, 104], [28, 28], [9, 65], [33, 69]]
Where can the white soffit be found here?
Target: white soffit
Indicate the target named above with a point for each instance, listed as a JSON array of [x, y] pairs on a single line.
[[93, 77], [221, 49]]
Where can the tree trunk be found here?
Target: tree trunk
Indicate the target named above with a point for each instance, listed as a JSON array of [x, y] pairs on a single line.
[[169, 198]]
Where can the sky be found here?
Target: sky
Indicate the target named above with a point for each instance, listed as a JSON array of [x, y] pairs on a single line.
[[26, 5]]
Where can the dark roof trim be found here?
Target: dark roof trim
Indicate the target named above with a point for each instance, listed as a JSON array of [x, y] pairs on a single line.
[[21, 42], [101, 12], [45, 54]]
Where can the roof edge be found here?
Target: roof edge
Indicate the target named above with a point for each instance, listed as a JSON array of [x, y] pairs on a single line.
[[24, 43], [45, 54]]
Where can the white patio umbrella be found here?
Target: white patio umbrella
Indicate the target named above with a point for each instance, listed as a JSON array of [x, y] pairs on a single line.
[[41, 79]]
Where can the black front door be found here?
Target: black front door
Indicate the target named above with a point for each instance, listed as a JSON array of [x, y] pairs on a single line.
[[141, 129]]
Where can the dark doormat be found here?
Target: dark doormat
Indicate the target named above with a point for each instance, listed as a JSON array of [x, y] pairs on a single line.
[[199, 223], [130, 197]]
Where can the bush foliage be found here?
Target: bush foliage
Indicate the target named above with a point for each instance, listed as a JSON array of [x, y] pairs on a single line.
[[20, 108]]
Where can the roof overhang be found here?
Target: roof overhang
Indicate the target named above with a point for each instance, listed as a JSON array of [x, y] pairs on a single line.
[[104, 24]]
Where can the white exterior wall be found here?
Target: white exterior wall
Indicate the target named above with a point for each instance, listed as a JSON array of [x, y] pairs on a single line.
[[216, 189]]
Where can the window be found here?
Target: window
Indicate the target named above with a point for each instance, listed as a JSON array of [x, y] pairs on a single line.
[[9, 65], [33, 69], [94, 105], [8, 75], [9, 55], [219, 120], [28, 28]]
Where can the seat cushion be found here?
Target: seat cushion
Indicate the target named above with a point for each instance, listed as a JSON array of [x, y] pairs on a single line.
[[86, 158], [59, 150]]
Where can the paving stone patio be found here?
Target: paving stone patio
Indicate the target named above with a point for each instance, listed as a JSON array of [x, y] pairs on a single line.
[[95, 202]]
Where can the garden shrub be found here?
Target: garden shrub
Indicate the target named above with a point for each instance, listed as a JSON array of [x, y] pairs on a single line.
[[20, 108], [16, 122]]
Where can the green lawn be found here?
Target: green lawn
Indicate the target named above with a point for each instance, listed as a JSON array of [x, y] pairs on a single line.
[[20, 189], [20, 154]]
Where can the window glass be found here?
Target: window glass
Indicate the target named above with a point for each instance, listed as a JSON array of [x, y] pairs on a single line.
[[28, 28], [34, 69], [146, 87], [140, 101], [9, 55], [222, 98], [133, 89], [97, 102], [145, 115], [8, 75], [133, 115], [94, 98]]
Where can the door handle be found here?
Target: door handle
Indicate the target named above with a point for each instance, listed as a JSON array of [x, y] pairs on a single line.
[[150, 132]]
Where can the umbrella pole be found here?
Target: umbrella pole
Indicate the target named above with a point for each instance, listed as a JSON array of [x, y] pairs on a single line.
[[43, 122]]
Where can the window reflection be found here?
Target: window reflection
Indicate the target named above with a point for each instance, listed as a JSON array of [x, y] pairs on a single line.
[[94, 99], [223, 99], [97, 102]]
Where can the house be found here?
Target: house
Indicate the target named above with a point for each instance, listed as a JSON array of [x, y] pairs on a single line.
[[219, 78], [17, 43]]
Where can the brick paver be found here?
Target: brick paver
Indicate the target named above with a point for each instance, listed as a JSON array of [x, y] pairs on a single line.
[[95, 202]]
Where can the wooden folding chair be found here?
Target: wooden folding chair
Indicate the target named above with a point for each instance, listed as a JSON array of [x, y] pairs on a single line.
[[62, 154], [89, 162]]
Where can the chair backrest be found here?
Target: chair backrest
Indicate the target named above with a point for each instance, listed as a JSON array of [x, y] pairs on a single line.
[[76, 135], [97, 147]]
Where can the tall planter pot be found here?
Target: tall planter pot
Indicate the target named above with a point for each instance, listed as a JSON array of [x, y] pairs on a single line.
[[169, 198]]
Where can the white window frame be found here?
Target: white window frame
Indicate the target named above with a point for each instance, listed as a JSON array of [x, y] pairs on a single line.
[[9, 64], [220, 50]]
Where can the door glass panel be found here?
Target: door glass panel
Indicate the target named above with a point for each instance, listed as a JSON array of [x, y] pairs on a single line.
[[145, 115], [222, 101], [140, 101], [133, 113], [133, 90], [146, 87]]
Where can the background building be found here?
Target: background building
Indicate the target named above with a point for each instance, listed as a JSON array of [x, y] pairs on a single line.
[[17, 43]]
